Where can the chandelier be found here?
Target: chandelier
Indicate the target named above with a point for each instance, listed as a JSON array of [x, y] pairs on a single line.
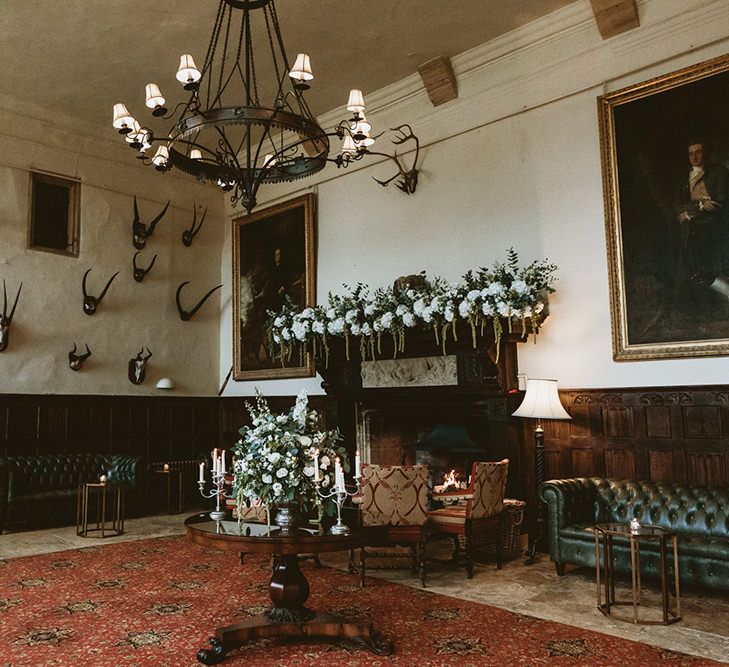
[[224, 134]]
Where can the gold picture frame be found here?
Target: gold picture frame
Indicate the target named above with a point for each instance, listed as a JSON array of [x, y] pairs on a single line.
[[273, 257], [664, 147]]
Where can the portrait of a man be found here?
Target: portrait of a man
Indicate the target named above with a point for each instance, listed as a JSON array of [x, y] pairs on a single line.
[[665, 148], [273, 262]]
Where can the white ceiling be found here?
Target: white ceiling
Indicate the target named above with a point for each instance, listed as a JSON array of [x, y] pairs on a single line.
[[78, 57]]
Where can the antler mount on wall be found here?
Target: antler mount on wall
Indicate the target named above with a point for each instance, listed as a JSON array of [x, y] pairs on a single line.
[[5, 319]]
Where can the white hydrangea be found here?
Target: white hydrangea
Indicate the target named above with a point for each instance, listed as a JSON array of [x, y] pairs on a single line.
[[366, 329], [473, 295], [350, 316], [369, 309], [286, 334], [448, 314], [386, 320], [520, 287], [317, 327], [408, 319], [427, 314], [464, 309], [401, 310], [355, 329]]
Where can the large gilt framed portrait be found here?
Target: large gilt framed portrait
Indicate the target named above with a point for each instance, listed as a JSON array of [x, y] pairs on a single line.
[[665, 160], [273, 259]]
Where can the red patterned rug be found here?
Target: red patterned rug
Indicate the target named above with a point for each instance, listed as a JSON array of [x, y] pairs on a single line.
[[156, 602]]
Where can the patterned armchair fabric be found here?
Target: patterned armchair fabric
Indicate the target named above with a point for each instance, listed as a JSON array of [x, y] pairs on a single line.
[[488, 485], [394, 495], [481, 514]]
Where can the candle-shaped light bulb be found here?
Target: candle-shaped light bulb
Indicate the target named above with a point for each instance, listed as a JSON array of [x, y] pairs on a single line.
[[166, 467], [215, 461], [201, 478], [222, 463], [357, 465], [317, 476]]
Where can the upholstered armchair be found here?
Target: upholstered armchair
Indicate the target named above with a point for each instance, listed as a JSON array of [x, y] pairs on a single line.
[[396, 497], [474, 514]]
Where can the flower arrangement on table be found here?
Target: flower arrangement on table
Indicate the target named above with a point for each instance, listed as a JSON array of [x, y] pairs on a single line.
[[483, 296], [274, 458]]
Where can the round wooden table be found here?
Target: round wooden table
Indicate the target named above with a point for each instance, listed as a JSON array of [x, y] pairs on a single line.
[[288, 588]]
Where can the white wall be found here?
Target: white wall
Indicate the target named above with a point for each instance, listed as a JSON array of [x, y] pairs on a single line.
[[514, 161], [49, 317]]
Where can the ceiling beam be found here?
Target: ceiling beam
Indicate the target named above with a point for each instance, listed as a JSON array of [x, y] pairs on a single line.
[[439, 80], [615, 16]]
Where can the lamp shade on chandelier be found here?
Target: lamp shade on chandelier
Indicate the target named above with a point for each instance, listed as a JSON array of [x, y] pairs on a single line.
[[235, 130]]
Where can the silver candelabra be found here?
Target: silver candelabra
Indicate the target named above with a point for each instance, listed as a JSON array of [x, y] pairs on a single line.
[[339, 495], [217, 490]]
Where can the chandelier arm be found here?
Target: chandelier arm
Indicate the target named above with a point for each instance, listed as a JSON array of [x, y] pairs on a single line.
[[270, 42], [230, 148], [213, 46], [172, 113], [224, 58]]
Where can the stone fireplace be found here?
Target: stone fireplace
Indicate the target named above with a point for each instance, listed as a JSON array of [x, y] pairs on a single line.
[[444, 410]]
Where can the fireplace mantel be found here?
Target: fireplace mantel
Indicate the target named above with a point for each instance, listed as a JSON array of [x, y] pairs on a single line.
[[462, 368]]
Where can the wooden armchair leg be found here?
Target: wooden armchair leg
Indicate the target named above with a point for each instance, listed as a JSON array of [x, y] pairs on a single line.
[[317, 562], [362, 556], [350, 566], [560, 567], [469, 556], [421, 561]]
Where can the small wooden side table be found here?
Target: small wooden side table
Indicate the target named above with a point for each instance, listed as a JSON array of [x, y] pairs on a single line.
[[605, 533], [172, 482], [108, 496]]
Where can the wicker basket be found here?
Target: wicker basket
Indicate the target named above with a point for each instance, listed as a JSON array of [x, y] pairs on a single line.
[[511, 533]]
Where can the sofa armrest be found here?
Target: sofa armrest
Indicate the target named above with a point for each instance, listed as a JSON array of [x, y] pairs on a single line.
[[568, 501], [129, 470]]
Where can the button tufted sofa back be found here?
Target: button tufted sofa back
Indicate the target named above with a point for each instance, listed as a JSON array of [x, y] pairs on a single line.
[[52, 472], [687, 509]]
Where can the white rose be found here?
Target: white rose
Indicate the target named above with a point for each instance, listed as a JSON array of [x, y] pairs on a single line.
[[277, 488], [309, 471], [305, 441], [325, 461], [281, 473], [519, 286], [266, 478]]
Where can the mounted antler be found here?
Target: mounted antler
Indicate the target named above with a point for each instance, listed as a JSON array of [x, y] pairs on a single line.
[[190, 234], [185, 315], [408, 178], [136, 367], [140, 273], [5, 319], [91, 303], [76, 361], [140, 231]]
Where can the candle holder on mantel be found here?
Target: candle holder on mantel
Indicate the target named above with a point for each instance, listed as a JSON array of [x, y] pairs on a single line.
[[338, 491], [218, 484]]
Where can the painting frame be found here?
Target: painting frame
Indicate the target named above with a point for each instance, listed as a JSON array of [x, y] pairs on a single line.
[[258, 237], [629, 342]]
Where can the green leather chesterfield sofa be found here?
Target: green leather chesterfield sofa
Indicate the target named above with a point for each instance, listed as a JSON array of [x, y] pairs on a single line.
[[41, 488], [699, 515]]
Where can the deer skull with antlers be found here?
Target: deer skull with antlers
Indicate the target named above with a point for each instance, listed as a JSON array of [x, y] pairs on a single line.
[[189, 234], [140, 231], [91, 303], [140, 273], [5, 319], [137, 366], [76, 361], [408, 177]]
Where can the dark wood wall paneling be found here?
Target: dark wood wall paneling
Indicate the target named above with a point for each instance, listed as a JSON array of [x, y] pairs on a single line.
[[160, 428], [659, 434]]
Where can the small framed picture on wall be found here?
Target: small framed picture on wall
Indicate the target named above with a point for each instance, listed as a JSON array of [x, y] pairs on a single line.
[[273, 260]]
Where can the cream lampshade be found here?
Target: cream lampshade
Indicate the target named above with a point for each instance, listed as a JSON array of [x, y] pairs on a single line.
[[356, 101], [301, 71], [188, 72], [541, 401]]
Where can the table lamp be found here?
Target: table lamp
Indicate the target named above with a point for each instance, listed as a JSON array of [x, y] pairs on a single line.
[[541, 401]]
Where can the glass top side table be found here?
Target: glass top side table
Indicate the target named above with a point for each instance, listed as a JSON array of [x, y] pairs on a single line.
[[605, 536], [108, 495]]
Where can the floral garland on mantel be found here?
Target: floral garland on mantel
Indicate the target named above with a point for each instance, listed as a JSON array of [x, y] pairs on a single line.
[[481, 297]]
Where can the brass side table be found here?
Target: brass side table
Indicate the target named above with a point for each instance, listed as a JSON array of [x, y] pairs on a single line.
[[172, 482], [605, 534], [108, 497]]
